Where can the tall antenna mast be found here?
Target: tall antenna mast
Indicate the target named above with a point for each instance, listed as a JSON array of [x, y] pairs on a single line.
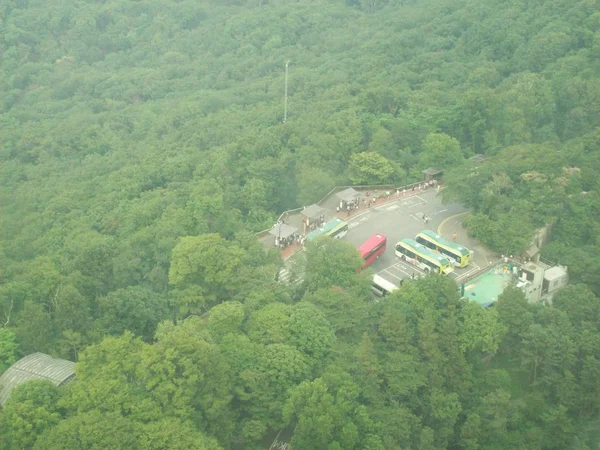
[[285, 98]]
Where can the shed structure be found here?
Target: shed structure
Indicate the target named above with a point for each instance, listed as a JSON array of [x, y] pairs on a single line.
[[37, 366], [313, 212], [432, 173], [348, 195], [283, 231]]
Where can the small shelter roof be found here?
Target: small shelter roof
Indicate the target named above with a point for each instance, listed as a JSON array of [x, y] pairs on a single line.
[[477, 158], [37, 366], [432, 171], [347, 195], [313, 211], [282, 230]]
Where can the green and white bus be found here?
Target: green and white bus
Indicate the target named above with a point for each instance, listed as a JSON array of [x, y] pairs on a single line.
[[452, 250], [419, 255], [335, 228]]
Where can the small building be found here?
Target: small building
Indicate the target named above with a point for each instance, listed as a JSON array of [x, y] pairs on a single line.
[[313, 213], [37, 366], [479, 158], [347, 196], [540, 281], [555, 278], [432, 173], [283, 234]]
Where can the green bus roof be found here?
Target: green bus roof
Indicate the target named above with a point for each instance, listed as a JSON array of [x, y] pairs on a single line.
[[432, 235], [327, 228], [314, 234], [425, 251]]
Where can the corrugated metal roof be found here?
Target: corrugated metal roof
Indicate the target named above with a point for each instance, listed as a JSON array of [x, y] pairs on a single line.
[[37, 366]]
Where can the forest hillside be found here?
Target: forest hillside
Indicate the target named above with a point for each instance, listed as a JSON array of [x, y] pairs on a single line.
[[142, 144]]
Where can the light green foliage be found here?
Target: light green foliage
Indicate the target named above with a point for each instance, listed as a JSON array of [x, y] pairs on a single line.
[[8, 349], [271, 324], [203, 270], [370, 168], [480, 329], [226, 318], [310, 331], [442, 151], [93, 431], [332, 262], [327, 414], [31, 409]]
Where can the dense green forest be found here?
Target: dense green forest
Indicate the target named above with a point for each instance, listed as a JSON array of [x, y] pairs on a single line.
[[142, 145]]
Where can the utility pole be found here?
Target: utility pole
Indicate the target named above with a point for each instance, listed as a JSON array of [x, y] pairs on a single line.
[[285, 98]]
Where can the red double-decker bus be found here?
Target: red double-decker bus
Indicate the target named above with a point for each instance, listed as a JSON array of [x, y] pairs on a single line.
[[372, 248]]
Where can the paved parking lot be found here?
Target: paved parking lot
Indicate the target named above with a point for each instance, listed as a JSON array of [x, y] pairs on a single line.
[[404, 219], [399, 219]]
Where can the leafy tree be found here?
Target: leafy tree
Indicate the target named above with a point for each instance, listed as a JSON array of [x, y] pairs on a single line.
[[322, 272], [343, 309], [370, 168], [441, 150], [226, 318], [369, 367], [8, 349], [135, 308], [271, 324], [310, 332], [480, 329], [201, 270], [93, 430], [31, 409]]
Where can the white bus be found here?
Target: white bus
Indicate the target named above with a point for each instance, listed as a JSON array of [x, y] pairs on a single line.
[[381, 287]]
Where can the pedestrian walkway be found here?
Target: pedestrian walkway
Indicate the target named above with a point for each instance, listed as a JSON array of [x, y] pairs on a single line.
[[365, 200]]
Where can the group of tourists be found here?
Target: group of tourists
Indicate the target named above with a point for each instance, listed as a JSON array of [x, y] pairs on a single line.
[[295, 238]]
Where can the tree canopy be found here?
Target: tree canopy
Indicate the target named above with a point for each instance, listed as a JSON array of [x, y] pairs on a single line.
[[143, 145]]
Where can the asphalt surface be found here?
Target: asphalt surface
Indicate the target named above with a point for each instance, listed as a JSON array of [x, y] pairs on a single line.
[[404, 219]]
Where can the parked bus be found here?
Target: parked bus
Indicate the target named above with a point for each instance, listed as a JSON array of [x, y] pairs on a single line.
[[372, 248], [452, 250], [419, 255], [382, 287], [335, 228]]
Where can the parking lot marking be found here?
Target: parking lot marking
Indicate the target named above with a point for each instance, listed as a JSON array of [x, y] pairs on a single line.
[[390, 273]]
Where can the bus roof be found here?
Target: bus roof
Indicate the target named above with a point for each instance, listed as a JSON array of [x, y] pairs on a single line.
[[332, 225], [425, 251], [371, 243], [327, 228], [314, 234], [385, 284], [445, 242]]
